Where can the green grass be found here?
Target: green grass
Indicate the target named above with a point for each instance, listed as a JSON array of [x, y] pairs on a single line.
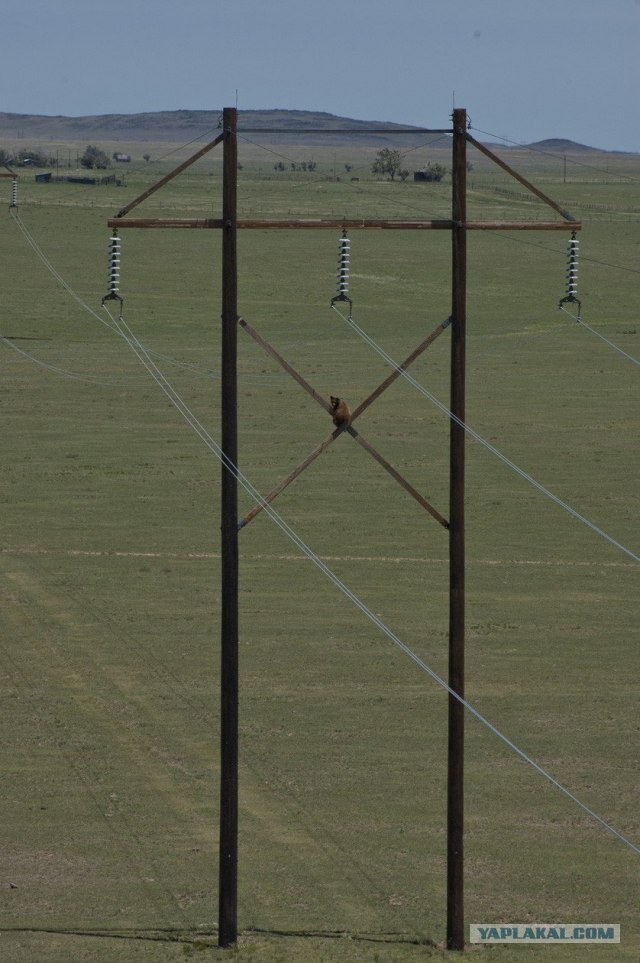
[[110, 577]]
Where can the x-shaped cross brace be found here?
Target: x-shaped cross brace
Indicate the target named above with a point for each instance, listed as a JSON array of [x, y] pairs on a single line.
[[271, 351]]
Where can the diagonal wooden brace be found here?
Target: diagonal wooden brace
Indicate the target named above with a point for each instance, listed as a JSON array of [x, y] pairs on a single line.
[[322, 447], [422, 347], [271, 351], [402, 481], [395, 374], [290, 477]]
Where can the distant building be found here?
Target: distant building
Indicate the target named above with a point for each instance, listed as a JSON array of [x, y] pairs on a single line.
[[432, 172], [122, 158]]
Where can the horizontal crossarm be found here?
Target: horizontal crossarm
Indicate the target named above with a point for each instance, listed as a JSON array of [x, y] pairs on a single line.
[[216, 223]]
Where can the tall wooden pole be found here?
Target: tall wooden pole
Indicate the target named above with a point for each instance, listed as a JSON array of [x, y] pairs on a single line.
[[228, 867], [455, 780]]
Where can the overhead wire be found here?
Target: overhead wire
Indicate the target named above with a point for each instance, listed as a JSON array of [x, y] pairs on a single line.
[[192, 367], [611, 344], [404, 373], [191, 419], [194, 140], [539, 150], [621, 267], [174, 150], [64, 372], [483, 441], [131, 340], [291, 160], [40, 254], [122, 329], [410, 206], [49, 266], [592, 260], [554, 250], [354, 187]]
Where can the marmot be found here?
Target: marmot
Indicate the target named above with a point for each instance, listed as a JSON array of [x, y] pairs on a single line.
[[341, 412]]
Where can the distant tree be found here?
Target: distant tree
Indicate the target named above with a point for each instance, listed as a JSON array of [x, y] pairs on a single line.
[[403, 174], [146, 157], [348, 167], [279, 166], [93, 157], [32, 158], [387, 162], [5, 156], [302, 166], [436, 171]]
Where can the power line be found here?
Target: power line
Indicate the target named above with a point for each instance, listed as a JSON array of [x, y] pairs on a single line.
[[405, 374], [33, 244], [138, 166], [355, 188], [121, 328], [166, 387], [553, 250], [64, 372], [539, 150], [611, 344], [483, 441], [384, 131]]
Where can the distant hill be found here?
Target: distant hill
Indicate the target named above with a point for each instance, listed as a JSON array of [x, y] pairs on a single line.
[[558, 145], [180, 126], [279, 126]]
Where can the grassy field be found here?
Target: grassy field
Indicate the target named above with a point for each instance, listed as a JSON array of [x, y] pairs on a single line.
[[110, 572]]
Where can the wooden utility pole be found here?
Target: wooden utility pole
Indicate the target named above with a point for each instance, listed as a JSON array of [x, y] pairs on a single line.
[[455, 772], [229, 224], [228, 864]]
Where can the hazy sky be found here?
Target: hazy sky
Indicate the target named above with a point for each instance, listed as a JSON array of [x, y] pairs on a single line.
[[524, 70]]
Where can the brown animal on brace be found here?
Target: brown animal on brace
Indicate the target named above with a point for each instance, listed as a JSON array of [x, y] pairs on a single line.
[[341, 412]]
